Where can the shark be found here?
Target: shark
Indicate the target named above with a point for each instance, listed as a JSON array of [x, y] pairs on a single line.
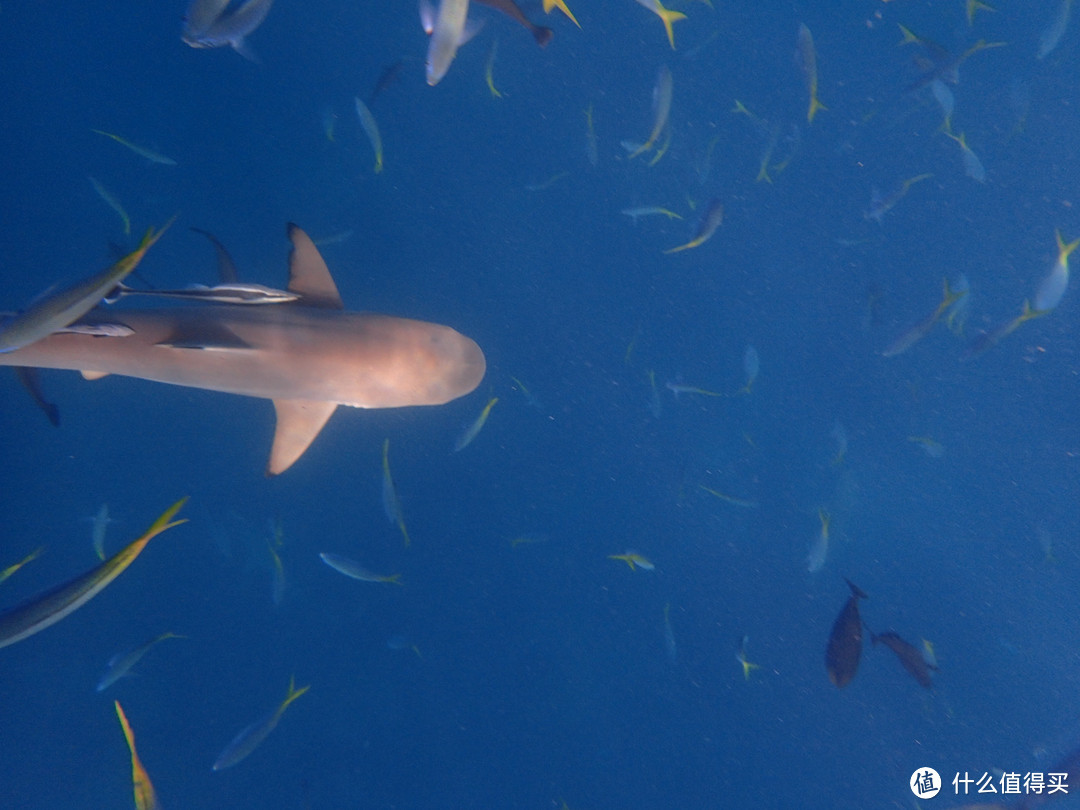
[[308, 355]]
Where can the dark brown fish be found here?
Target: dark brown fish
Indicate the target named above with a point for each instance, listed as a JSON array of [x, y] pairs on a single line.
[[387, 77], [513, 11], [845, 640], [910, 657], [31, 382]]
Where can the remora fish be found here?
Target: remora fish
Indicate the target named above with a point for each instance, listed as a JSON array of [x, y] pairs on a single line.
[[218, 294], [308, 356]]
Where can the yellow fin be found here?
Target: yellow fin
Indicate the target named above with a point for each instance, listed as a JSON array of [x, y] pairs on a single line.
[[668, 17], [561, 6]]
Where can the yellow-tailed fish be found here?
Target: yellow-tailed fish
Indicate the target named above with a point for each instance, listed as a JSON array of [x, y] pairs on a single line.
[[655, 405], [713, 219], [1052, 288], [530, 398], [592, 149], [807, 56], [11, 569], [839, 436], [353, 569], [752, 366], [48, 608], [956, 317], [662, 93], [680, 388], [329, 123], [141, 151], [819, 548], [1050, 37], [120, 665], [929, 656], [661, 150], [527, 540], [793, 142], [704, 167], [740, 502], [880, 206], [634, 560], [391, 503], [741, 109], [973, 167], [145, 798], [972, 6], [335, 238], [766, 157], [489, 69], [561, 6], [472, 430], [371, 129], [543, 185], [648, 211], [740, 656], [667, 17], [1001, 331], [60, 309], [273, 543], [931, 447], [249, 739], [113, 203], [400, 642], [923, 327], [99, 524]]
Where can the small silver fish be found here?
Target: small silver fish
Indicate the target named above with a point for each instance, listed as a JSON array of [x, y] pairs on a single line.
[[353, 569], [210, 24], [121, 664]]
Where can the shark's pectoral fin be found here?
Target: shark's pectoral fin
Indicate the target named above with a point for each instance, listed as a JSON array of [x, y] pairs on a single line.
[[206, 337], [308, 274], [298, 423]]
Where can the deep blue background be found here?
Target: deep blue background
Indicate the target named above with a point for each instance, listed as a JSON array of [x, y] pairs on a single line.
[[544, 675]]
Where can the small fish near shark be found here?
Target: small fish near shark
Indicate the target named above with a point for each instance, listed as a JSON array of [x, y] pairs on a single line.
[[306, 355], [217, 23]]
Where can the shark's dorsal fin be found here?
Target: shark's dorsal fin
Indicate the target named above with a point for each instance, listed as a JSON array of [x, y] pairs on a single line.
[[298, 423], [308, 275]]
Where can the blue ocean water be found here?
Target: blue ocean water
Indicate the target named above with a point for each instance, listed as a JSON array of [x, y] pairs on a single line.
[[526, 675]]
